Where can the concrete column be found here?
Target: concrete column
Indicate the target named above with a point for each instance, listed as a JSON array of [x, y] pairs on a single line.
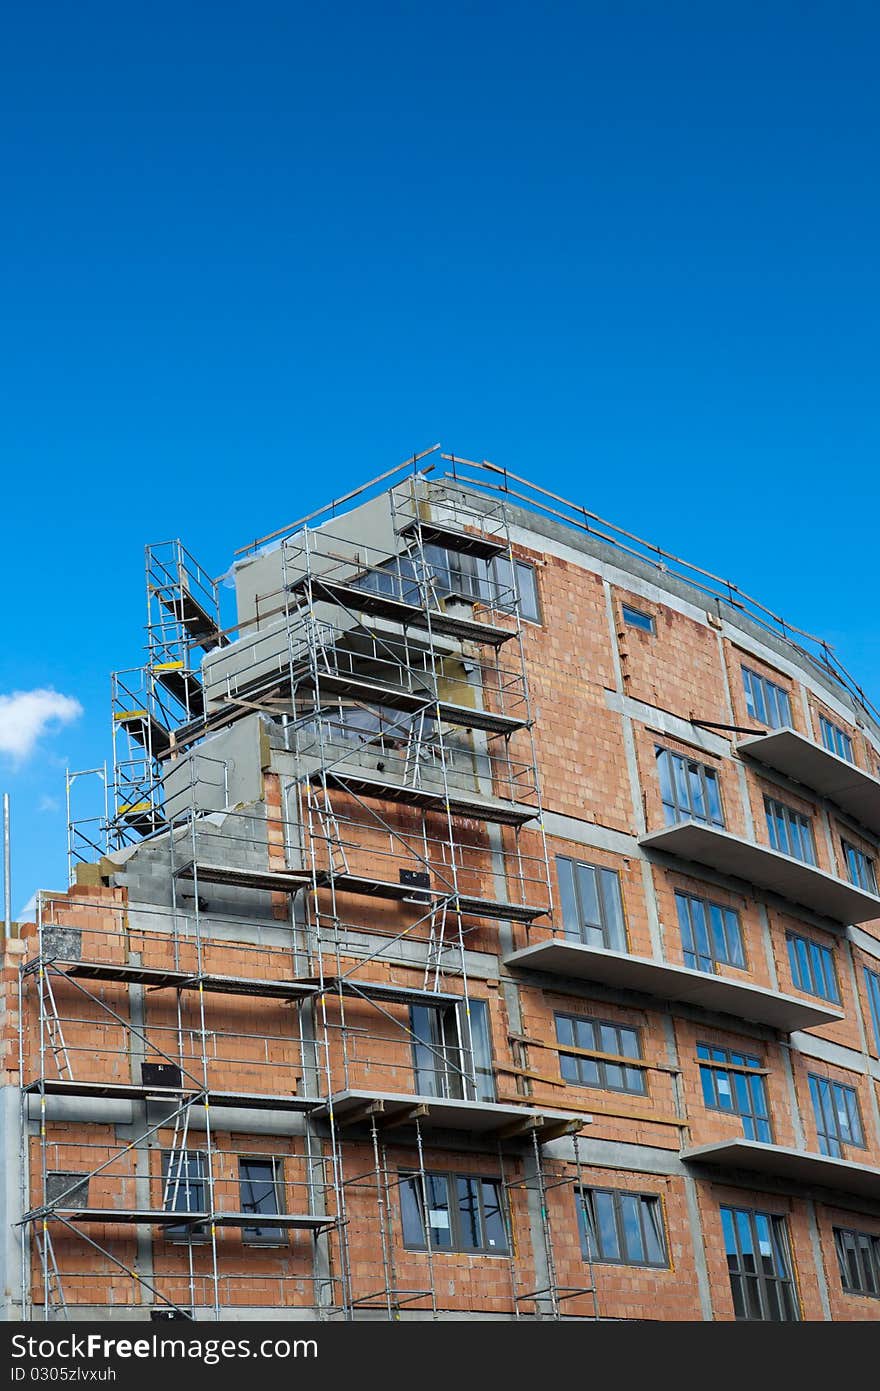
[[11, 1236]]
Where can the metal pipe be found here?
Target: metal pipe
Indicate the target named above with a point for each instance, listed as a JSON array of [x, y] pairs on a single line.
[[7, 876]]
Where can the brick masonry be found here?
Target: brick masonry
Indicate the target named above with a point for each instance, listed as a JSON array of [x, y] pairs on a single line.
[[605, 697]]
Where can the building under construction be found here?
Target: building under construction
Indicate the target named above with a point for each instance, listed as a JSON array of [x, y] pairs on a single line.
[[484, 923]]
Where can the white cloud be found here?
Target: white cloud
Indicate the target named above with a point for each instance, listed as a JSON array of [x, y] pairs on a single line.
[[25, 716], [48, 804]]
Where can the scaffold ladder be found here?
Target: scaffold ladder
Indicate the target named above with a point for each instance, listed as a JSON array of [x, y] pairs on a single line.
[[176, 1157], [321, 807], [54, 1290], [412, 770], [54, 1031], [437, 945]]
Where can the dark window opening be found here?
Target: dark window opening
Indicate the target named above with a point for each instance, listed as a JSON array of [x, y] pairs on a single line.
[[261, 1185], [759, 1265], [452, 1051]]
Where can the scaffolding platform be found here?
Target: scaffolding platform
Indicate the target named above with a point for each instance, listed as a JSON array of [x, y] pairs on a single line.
[[156, 1217], [470, 904], [146, 730], [399, 698], [370, 784], [156, 979], [143, 817], [228, 876], [486, 1119], [293, 880], [177, 1096], [476, 543], [381, 991], [193, 618], [183, 685], [349, 596]]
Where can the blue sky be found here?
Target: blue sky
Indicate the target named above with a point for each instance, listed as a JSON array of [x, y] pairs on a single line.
[[252, 255]]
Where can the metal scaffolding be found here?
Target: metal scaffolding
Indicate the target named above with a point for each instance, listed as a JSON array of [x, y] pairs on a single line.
[[408, 824]]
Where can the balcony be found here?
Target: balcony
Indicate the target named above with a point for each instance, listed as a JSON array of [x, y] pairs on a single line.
[[762, 868], [854, 791], [678, 984], [487, 1120], [792, 1166]]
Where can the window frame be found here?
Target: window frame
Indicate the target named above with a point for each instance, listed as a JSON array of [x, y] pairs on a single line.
[[856, 860], [706, 775], [683, 897], [832, 1140], [602, 1060], [185, 1232], [793, 940], [785, 1286], [490, 587], [790, 818], [249, 1234], [447, 1054], [832, 734], [872, 989], [869, 1260], [769, 692], [639, 619], [589, 1227], [451, 1179], [749, 1067], [599, 873]]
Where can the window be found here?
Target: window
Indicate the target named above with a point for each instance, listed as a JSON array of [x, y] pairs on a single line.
[[766, 702], [688, 790], [812, 967], [595, 1036], [860, 868], [732, 1083], [261, 1186], [759, 1265], [184, 1189], [858, 1255], [465, 1213], [397, 578], [592, 907], [449, 572], [835, 739], [838, 1121], [710, 935], [442, 1051], [503, 588], [620, 1228], [635, 618], [872, 985], [790, 831]]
